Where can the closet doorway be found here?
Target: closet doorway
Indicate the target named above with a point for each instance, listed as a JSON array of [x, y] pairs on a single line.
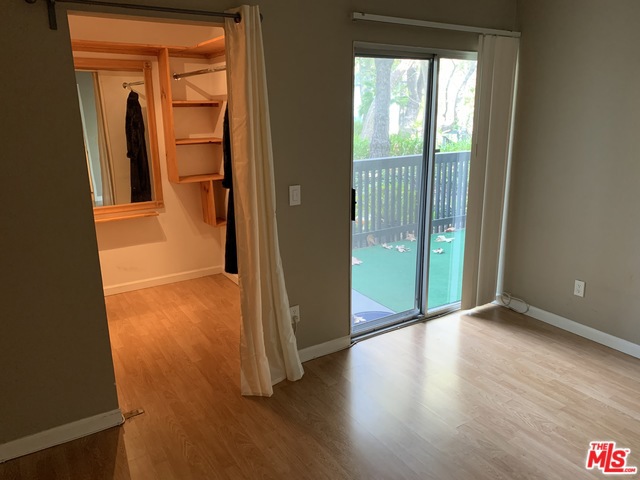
[[173, 316], [412, 124], [152, 98], [177, 231]]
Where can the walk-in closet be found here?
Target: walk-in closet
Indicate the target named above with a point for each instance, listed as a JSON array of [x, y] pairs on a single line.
[[175, 229]]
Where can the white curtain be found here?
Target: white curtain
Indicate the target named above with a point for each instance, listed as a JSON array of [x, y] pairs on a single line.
[[497, 59], [268, 350]]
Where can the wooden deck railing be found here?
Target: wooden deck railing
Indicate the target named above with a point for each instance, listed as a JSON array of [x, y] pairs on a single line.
[[388, 196]]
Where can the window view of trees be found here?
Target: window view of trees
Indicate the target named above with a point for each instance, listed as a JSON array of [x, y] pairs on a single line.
[[389, 106], [457, 86]]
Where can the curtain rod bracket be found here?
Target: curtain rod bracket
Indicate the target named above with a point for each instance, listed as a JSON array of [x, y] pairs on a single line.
[[53, 23]]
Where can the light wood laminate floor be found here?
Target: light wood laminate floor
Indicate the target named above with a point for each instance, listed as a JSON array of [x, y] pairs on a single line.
[[490, 395]]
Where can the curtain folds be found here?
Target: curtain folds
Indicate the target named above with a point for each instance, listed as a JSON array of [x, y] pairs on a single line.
[[268, 349], [497, 60]]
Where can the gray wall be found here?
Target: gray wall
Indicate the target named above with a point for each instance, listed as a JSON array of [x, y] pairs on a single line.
[[55, 359], [54, 345], [575, 195]]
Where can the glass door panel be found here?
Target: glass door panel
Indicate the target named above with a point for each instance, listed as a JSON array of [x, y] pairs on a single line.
[[450, 180], [391, 103]]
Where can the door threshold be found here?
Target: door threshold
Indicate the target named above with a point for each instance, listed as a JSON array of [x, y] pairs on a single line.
[[358, 337], [385, 329]]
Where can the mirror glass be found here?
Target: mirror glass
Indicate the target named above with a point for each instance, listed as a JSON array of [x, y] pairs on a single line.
[[118, 121]]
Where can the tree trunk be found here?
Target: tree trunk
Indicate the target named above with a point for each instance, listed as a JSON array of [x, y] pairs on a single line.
[[446, 90], [380, 145], [414, 90], [461, 90]]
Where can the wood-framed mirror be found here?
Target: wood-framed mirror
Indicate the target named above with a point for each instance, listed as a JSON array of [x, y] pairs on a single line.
[[120, 134]]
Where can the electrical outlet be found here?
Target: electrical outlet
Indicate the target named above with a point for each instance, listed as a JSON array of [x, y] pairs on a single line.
[[295, 313], [578, 289]]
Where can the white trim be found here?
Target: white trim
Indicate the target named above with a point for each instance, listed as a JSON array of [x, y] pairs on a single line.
[[597, 336], [162, 280], [425, 23], [62, 434], [325, 348], [407, 51]]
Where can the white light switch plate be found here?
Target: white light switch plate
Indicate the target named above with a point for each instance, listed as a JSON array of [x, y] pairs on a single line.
[[294, 195]]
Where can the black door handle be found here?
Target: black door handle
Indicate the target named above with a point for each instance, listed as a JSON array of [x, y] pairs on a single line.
[[353, 204]]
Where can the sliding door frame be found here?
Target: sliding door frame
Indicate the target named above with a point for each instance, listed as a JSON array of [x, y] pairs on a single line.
[[373, 50], [421, 313]]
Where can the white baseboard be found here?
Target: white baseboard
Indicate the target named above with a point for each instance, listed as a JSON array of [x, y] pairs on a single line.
[[162, 280], [58, 435], [597, 336], [323, 349], [232, 276]]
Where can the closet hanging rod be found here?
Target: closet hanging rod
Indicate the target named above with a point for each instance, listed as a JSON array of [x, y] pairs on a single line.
[[131, 84], [178, 76], [53, 23]]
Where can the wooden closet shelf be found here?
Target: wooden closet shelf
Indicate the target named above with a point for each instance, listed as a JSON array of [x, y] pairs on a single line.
[[210, 49], [197, 128], [200, 178], [197, 141], [196, 103]]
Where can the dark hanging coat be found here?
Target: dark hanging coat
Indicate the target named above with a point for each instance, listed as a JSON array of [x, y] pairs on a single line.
[[231, 249], [137, 151]]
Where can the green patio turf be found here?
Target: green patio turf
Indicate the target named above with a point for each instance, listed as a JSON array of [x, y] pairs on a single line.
[[389, 277]]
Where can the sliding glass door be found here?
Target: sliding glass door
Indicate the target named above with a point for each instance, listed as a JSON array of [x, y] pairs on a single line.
[[390, 120], [411, 143]]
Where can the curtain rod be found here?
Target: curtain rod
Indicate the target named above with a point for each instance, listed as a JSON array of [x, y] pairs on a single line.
[[53, 23], [178, 76], [425, 23]]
